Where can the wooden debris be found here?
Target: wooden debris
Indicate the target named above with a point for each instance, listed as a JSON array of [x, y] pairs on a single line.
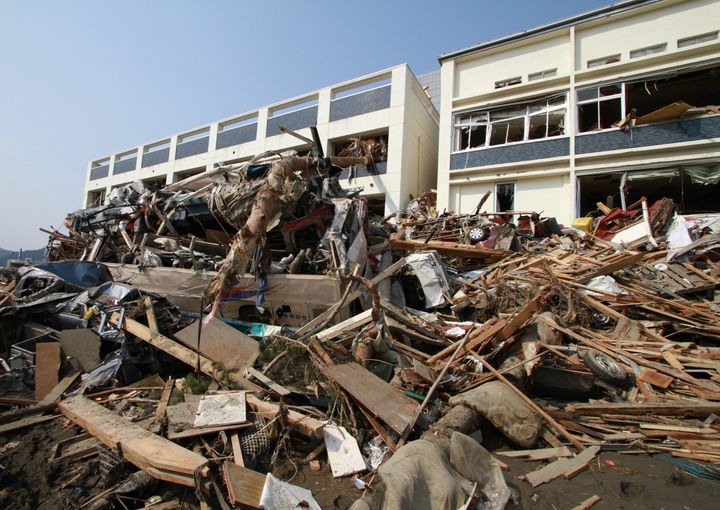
[[561, 467], [159, 457], [47, 364], [245, 486]]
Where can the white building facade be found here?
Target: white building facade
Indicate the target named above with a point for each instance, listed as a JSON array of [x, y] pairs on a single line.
[[391, 104], [536, 118]]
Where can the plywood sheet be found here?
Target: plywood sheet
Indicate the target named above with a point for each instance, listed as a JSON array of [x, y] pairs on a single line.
[[221, 343], [380, 398], [47, 364]]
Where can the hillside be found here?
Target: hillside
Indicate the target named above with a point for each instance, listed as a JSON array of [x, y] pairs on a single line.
[[35, 255]]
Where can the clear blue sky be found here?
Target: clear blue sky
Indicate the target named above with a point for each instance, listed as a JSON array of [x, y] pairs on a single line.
[[83, 79]]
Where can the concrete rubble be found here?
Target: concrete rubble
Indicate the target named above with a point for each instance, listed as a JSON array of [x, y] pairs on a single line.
[[210, 343]]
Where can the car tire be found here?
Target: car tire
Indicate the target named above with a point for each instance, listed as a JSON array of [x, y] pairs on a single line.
[[604, 367]]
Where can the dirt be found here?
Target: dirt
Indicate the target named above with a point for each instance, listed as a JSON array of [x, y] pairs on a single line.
[[29, 481], [622, 481]]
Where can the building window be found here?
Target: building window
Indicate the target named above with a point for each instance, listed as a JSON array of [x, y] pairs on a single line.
[[697, 39], [642, 52], [599, 107], [540, 119], [471, 131], [610, 59], [506, 83], [542, 74], [504, 196]]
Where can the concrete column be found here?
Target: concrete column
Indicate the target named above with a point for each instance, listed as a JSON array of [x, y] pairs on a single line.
[[263, 114], [212, 137], [571, 127], [447, 73]]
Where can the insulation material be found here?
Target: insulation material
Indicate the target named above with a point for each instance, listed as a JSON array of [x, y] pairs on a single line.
[[343, 451], [223, 409], [279, 495], [430, 271]]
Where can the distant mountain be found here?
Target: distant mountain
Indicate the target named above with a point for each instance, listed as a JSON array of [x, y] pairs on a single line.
[[34, 255]]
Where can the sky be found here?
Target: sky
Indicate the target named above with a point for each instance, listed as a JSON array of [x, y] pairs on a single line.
[[80, 80]]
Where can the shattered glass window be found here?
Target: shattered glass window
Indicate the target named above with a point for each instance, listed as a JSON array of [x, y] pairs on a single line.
[[599, 107]]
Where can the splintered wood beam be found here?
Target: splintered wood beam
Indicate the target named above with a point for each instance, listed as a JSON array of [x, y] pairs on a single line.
[[156, 455]]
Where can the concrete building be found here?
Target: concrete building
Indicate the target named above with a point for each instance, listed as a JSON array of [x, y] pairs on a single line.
[[391, 103], [534, 117]]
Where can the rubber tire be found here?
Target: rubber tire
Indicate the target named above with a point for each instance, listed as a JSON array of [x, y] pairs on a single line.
[[604, 367]]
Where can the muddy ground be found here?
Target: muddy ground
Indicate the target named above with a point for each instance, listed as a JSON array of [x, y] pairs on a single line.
[[29, 481]]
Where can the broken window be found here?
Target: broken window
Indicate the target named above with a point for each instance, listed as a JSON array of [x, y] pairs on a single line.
[[547, 118], [470, 131], [610, 59], [697, 88], [693, 188], [505, 196], [599, 107], [529, 121], [507, 125]]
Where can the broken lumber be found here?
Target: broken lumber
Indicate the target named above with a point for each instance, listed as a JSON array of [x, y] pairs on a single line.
[[306, 425], [562, 466], [380, 398], [156, 455]]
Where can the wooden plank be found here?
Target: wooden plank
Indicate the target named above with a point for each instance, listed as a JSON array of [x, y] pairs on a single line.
[[47, 364], [522, 316], [25, 422], [304, 424], [587, 503], [237, 450], [156, 455], [672, 360], [204, 431], [560, 467], [449, 249], [162, 406], [346, 325], [221, 343], [59, 389], [538, 454], [649, 375], [151, 318], [625, 261], [245, 486], [380, 398], [266, 381]]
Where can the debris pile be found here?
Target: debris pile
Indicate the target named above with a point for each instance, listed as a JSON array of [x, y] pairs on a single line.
[[454, 346]]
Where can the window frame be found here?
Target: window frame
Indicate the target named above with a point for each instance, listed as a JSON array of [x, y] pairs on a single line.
[[464, 120], [598, 99]]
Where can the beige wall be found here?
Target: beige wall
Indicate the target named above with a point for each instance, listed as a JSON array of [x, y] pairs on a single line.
[[410, 121], [468, 82]]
